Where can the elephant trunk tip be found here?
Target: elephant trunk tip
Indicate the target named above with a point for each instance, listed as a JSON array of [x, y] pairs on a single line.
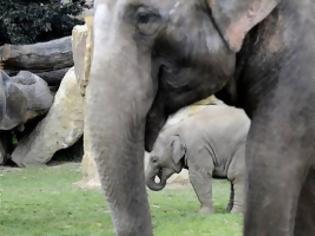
[[154, 185]]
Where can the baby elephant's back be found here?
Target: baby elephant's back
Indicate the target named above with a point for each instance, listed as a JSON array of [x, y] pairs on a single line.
[[220, 124]]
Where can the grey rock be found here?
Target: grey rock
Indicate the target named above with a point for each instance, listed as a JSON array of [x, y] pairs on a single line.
[[60, 129]]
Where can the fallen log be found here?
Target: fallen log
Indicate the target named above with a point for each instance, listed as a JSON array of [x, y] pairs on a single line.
[[40, 57], [53, 77]]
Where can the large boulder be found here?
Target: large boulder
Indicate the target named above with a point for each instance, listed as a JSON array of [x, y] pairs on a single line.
[[61, 128], [22, 97], [36, 92]]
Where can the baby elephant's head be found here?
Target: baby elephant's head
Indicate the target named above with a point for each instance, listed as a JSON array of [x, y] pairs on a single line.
[[165, 159]]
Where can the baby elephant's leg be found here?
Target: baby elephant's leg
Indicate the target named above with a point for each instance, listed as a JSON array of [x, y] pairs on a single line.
[[202, 184], [237, 176], [230, 204], [239, 196]]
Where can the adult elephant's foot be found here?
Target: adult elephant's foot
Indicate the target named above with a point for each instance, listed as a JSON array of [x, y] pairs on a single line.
[[205, 210]]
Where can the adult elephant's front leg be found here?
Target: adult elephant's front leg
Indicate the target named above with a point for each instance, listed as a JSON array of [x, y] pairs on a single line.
[[276, 170]]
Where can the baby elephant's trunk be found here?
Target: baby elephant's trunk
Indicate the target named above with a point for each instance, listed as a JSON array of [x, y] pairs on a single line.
[[152, 184]]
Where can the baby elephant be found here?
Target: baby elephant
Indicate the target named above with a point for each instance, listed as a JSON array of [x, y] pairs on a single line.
[[210, 144]]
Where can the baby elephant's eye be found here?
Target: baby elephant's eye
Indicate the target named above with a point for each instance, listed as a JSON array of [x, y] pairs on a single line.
[[148, 21], [154, 160]]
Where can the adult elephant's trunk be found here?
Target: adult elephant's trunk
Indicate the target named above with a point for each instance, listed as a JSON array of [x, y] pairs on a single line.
[[119, 95]]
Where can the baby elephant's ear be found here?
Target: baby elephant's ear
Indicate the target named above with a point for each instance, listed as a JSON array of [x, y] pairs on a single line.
[[235, 18], [178, 149]]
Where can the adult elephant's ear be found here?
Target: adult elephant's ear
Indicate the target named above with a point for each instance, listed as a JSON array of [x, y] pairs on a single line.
[[235, 18]]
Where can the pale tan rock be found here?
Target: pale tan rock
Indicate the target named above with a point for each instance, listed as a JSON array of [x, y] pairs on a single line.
[[82, 47], [61, 128], [88, 50], [79, 40], [90, 177]]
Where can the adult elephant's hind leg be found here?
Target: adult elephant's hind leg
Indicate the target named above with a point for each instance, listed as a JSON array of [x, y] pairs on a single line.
[[305, 219], [276, 173]]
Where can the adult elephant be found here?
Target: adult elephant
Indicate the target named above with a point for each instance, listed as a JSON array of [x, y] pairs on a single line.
[[152, 57]]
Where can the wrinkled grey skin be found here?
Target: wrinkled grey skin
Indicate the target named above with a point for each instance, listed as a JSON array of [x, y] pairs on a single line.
[[209, 144], [152, 57], [22, 97]]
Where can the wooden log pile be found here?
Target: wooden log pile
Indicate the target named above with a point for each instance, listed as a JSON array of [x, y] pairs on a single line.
[[49, 60]]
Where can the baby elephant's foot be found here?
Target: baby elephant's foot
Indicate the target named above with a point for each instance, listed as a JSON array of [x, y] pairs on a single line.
[[206, 210]]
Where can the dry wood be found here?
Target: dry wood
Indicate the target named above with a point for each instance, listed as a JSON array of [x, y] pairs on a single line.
[[39, 57]]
